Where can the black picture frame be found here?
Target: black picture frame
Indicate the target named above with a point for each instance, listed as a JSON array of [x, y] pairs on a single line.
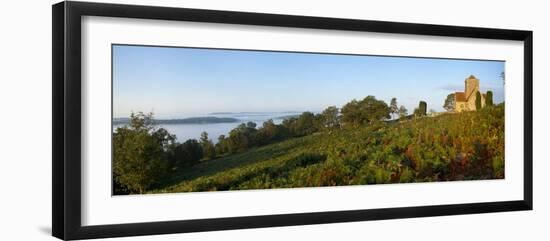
[[66, 127]]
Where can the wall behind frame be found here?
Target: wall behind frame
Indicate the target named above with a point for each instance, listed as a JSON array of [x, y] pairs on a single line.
[[25, 102]]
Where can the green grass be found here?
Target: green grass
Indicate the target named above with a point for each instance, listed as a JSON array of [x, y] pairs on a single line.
[[463, 146]]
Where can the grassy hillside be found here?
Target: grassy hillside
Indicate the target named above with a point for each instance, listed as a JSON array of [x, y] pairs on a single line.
[[462, 146]]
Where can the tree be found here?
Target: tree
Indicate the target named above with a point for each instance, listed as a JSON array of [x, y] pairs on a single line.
[[394, 110], [163, 138], [306, 124], [186, 154], [403, 112], [204, 137], [268, 133], [450, 102], [221, 146], [421, 110], [139, 157], [478, 101], [251, 125], [489, 98], [365, 111], [330, 118], [242, 137], [208, 149]]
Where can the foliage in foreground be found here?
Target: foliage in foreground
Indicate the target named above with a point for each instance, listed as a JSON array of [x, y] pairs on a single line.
[[461, 146]]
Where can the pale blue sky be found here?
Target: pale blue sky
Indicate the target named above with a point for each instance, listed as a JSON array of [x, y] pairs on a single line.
[[183, 82]]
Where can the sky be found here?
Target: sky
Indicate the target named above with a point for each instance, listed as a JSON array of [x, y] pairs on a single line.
[[183, 82]]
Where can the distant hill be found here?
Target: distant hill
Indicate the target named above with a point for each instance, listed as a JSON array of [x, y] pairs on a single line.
[[252, 113], [191, 120], [287, 117]]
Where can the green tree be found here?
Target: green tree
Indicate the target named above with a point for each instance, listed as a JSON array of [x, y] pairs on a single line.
[[251, 125], [403, 112], [186, 154], [268, 133], [489, 98], [394, 110], [204, 137], [242, 137], [163, 138], [289, 126], [139, 157], [421, 110], [330, 118], [365, 111], [306, 124], [208, 149], [450, 102], [221, 146], [478, 101]]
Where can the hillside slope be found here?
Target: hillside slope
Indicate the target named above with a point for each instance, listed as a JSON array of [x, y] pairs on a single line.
[[462, 146]]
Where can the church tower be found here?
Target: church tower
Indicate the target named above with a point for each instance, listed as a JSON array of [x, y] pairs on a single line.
[[466, 101], [472, 86]]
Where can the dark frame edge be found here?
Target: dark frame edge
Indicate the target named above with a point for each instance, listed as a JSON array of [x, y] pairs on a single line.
[[291, 21], [58, 100], [249, 222], [528, 119]]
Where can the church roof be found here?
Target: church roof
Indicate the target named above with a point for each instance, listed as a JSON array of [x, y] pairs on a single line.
[[472, 77], [460, 96]]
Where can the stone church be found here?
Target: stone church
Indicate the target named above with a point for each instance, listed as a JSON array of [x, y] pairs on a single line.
[[466, 101]]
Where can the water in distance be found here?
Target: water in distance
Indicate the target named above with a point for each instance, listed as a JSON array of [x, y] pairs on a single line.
[[191, 128]]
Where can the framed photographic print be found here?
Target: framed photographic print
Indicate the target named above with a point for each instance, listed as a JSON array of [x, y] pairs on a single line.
[[169, 120]]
